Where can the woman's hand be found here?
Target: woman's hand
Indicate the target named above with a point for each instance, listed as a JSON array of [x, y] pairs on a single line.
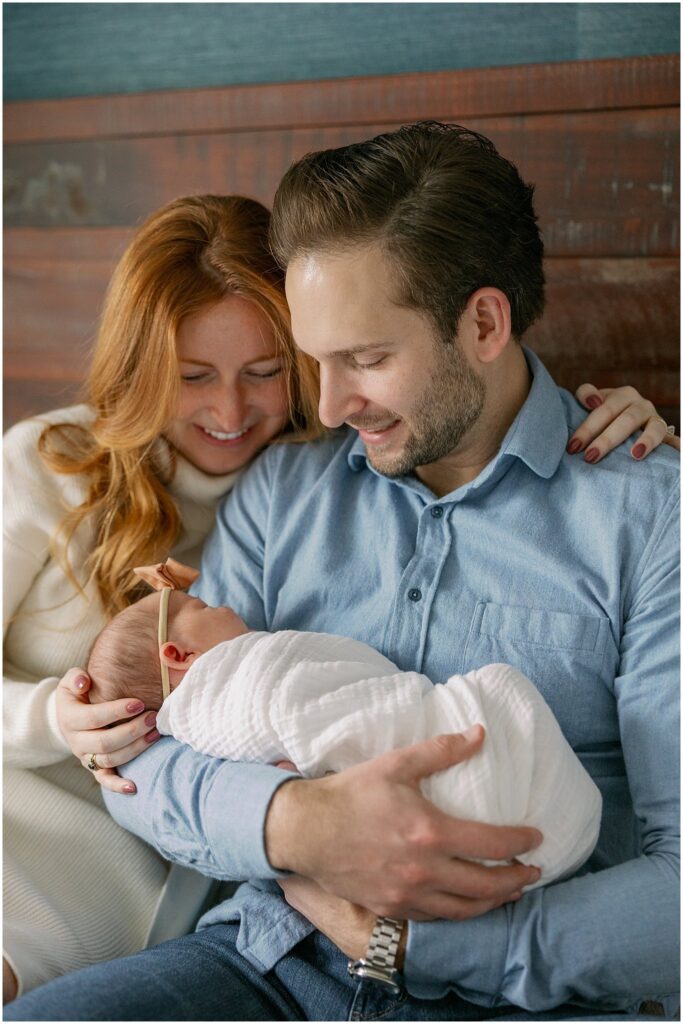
[[615, 414], [90, 729]]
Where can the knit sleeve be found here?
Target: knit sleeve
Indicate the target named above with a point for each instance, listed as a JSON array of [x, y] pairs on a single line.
[[31, 511]]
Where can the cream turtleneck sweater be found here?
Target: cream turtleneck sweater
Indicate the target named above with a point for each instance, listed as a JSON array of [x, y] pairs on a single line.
[[77, 888]]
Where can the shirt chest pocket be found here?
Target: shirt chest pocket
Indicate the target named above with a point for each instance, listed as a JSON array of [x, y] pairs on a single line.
[[565, 655]]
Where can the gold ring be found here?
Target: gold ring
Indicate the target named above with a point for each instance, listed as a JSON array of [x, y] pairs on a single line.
[[669, 427], [93, 765]]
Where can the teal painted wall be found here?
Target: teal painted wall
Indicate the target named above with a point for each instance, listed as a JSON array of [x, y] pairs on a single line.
[[66, 49]]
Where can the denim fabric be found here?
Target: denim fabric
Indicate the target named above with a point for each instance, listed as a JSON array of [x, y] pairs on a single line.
[[203, 977], [565, 570]]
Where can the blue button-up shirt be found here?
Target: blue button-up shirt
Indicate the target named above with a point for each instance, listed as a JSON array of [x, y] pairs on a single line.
[[565, 570]]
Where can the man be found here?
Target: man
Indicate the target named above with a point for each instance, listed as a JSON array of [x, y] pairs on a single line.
[[452, 530]]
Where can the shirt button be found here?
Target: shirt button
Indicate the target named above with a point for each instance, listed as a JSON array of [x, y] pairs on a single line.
[[437, 511], [414, 594]]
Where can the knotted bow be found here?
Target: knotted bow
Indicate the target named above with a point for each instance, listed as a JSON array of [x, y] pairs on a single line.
[[170, 573], [166, 576]]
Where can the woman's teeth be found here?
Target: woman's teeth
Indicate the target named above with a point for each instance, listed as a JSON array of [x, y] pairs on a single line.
[[220, 436]]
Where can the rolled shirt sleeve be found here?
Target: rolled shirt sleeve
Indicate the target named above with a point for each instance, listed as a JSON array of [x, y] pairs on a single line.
[[200, 811]]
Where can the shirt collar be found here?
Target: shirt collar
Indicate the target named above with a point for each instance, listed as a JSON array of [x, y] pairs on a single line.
[[538, 435]]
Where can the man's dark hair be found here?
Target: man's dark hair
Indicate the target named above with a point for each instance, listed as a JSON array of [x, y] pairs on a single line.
[[449, 211]]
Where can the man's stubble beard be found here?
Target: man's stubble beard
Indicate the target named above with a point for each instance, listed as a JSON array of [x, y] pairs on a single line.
[[447, 409]]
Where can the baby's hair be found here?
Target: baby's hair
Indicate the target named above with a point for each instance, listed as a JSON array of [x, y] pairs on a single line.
[[124, 660]]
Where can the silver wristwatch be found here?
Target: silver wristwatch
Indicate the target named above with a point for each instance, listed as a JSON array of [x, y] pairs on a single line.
[[379, 963]]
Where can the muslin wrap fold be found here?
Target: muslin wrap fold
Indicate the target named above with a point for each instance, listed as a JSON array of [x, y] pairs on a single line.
[[327, 702]]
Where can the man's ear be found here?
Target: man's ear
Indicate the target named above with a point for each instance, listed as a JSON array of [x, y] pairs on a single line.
[[174, 657], [490, 323]]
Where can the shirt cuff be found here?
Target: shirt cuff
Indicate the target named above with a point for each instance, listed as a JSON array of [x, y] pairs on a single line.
[[465, 956], [252, 791]]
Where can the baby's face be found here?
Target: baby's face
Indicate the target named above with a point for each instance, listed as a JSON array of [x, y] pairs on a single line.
[[195, 624]]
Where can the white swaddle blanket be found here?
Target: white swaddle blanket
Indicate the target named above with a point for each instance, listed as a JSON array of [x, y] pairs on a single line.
[[326, 703]]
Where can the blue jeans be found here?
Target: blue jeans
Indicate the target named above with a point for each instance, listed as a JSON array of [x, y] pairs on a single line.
[[203, 977]]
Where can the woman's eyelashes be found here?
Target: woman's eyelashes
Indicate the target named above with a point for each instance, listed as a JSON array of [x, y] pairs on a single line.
[[194, 378], [265, 374], [204, 376]]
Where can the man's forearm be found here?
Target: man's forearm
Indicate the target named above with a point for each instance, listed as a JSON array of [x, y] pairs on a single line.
[[200, 811], [367, 834]]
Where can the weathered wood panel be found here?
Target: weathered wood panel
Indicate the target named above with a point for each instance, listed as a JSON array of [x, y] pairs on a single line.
[[606, 182], [613, 321], [54, 286], [530, 89]]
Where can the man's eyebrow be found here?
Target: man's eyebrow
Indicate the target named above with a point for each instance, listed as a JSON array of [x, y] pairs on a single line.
[[357, 349]]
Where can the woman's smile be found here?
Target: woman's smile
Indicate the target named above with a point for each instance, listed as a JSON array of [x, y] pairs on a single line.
[[220, 437], [231, 375]]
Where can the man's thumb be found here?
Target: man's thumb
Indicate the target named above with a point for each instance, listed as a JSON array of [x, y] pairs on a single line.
[[439, 753]]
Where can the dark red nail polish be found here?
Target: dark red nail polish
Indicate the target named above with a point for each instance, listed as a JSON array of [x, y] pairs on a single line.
[[135, 707], [153, 735], [574, 446], [594, 401], [592, 455], [638, 451], [151, 718]]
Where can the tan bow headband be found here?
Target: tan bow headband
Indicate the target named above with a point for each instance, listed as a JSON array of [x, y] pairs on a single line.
[[166, 576]]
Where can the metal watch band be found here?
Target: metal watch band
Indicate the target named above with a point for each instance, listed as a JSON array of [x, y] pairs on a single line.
[[379, 963], [384, 941]]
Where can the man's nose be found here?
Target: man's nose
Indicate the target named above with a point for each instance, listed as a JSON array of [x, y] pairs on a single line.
[[338, 401]]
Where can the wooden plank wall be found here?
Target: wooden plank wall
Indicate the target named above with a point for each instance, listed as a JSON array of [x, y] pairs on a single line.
[[599, 139]]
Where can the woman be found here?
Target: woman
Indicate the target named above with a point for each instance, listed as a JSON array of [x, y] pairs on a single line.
[[193, 374], [139, 470]]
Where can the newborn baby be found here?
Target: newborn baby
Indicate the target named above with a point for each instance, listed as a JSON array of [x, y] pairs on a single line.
[[326, 702]]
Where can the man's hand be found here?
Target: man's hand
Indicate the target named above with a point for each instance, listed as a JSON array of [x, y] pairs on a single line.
[[369, 836]]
